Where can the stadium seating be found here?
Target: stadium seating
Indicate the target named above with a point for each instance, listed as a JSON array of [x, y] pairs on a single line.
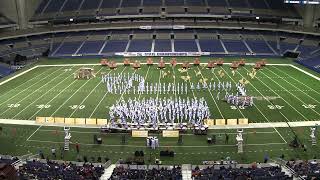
[[211, 45], [233, 46], [91, 47], [7, 159], [140, 45], [306, 169], [52, 170], [212, 172], [85, 9], [162, 45], [121, 172], [259, 47], [185, 46], [113, 46]]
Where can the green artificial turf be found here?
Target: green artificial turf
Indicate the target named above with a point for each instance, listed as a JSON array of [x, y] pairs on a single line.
[[53, 92]]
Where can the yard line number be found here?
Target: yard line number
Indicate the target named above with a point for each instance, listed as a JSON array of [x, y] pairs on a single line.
[[235, 107], [13, 105], [77, 106], [275, 107], [309, 106], [43, 106]]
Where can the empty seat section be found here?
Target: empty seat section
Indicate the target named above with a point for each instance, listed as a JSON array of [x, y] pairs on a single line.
[[71, 5], [152, 2], [195, 2], [210, 45], [306, 51], [113, 46], [174, 2], [110, 4], [238, 3], [5, 70], [91, 47], [131, 3], [90, 4], [41, 6], [68, 48], [259, 47], [222, 3], [162, 45], [185, 46], [140, 45], [258, 4], [54, 6], [235, 46]]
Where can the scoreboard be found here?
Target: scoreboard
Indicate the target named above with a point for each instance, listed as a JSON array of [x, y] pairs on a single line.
[[302, 1]]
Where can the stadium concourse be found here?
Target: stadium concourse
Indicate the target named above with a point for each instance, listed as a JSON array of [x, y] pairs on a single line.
[[159, 89]]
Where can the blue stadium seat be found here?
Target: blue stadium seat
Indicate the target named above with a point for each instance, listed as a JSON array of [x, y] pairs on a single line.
[[141, 45], [185, 46], [235, 46], [152, 2], [217, 3], [91, 47], [54, 6], [195, 2], [41, 6], [110, 4], [90, 4], [68, 48], [113, 46], [71, 5], [210, 45], [162, 45], [174, 2], [259, 46], [131, 3]]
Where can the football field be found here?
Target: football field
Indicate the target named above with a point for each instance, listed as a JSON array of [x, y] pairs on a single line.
[[282, 92]]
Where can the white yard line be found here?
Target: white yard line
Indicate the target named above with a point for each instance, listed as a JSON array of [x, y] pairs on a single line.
[[212, 97], [293, 86], [34, 133], [72, 96], [44, 93], [52, 99], [25, 97], [28, 81], [297, 80], [290, 93], [104, 96], [28, 87], [18, 75], [86, 98], [265, 117], [280, 97], [305, 72]]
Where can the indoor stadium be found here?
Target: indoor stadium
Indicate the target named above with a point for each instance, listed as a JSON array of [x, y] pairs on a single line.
[[159, 89]]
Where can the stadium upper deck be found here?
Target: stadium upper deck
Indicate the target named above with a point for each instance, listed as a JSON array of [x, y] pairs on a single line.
[[91, 9]]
